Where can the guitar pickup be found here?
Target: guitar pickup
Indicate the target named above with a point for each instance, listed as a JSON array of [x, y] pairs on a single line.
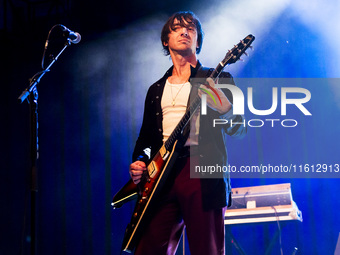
[[164, 153], [152, 170]]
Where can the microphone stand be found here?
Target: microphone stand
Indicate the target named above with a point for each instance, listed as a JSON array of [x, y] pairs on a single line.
[[31, 93]]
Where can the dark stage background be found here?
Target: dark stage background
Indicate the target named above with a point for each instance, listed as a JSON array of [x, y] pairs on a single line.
[[91, 104]]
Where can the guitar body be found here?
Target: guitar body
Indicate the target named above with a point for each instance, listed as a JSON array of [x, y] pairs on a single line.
[[125, 194], [159, 168]]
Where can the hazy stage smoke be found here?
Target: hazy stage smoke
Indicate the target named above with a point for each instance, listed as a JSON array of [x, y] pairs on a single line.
[[126, 62]]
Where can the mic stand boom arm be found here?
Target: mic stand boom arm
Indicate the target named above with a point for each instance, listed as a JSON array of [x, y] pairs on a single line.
[[35, 80]]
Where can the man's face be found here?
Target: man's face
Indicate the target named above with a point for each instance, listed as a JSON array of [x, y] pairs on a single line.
[[182, 38]]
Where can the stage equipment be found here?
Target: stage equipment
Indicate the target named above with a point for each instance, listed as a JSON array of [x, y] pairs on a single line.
[[262, 204]]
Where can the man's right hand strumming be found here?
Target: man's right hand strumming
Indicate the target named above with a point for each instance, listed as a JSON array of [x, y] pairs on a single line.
[[136, 170]]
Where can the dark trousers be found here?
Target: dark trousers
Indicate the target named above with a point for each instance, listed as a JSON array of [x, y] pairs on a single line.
[[181, 204]]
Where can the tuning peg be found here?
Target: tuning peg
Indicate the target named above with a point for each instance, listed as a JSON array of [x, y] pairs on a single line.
[[241, 59], [245, 53], [251, 47]]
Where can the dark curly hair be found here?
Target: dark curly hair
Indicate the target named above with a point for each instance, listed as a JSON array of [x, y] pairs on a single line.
[[186, 18]]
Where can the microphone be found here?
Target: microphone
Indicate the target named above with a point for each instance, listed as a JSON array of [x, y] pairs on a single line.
[[74, 37]]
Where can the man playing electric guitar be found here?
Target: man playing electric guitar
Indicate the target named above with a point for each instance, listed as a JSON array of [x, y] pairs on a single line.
[[197, 203]]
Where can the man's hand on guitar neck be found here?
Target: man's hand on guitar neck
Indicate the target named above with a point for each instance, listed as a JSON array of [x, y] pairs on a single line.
[[136, 170], [222, 104]]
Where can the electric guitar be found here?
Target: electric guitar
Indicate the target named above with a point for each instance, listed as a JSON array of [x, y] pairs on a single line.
[[159, 166]]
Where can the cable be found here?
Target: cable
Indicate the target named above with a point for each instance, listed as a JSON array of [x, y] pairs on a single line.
[[46, 45], [279, 228]]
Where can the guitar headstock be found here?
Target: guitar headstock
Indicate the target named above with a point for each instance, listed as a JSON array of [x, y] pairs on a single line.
[[238, 50]]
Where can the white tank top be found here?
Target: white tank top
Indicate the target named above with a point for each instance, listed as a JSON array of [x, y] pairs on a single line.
[[174, 103]]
